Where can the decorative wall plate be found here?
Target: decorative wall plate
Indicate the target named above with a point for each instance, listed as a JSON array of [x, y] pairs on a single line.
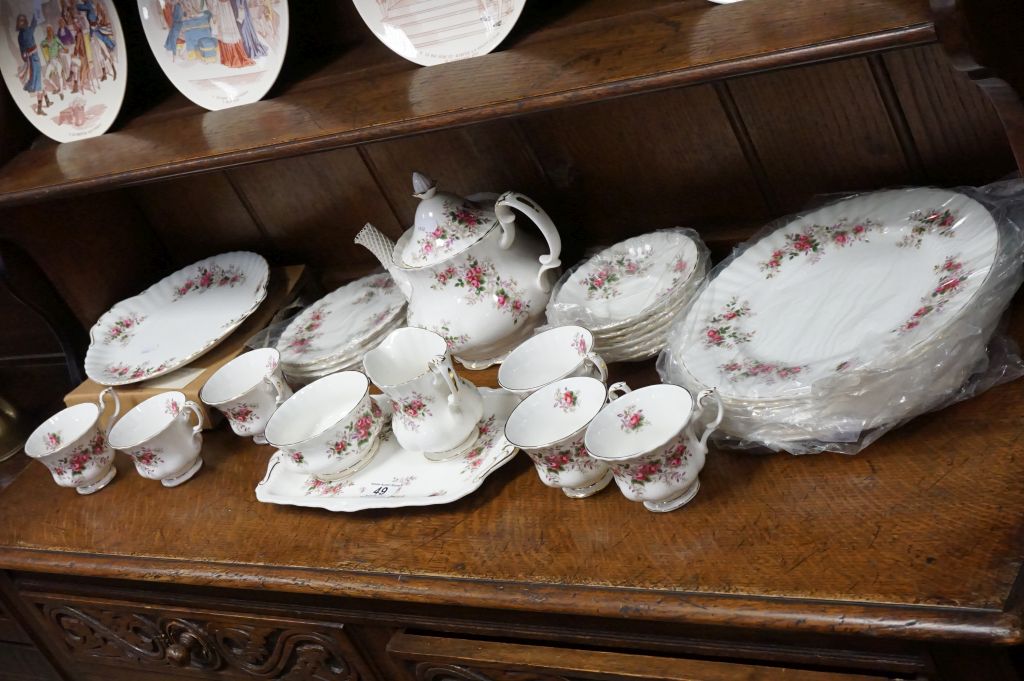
[[397, 477], [64, 64], [437, 31], [337, 327], [860, 283], [218, 53], [175, 320]]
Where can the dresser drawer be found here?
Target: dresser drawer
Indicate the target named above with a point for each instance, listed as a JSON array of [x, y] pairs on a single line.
[[432, 658], [157, 640]]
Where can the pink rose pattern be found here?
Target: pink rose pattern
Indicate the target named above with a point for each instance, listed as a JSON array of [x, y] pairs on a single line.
[[935, 221], [480, 280], [722, 330], [454, 340], [208, 277], [566, 400], [300, 341], [317, 487], [951, 278], [632, 420], [51, 441], [763, 372], [120, 370], [411, 410], [668, 468], [475, 458], [147, 458], [579, 344], [814, 241], [72, 466], [122, 330], [572, 457], [242, 415], [172, 407], [608, 272], [457, 222], [357, 433]]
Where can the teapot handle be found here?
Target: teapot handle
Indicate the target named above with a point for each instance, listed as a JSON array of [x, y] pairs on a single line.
[[503, 210]]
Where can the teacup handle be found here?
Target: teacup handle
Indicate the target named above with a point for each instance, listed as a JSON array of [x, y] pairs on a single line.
[[701, 396], [198, 428], [101, 402], [600, 365], [280, 389], [617, 390]]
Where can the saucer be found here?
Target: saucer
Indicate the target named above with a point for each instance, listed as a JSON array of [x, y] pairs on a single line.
[[398, 477]]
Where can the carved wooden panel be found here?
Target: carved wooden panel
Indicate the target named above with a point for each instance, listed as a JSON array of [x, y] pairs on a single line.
[[209, 644]]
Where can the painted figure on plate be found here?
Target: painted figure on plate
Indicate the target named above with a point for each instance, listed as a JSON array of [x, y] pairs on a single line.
[[31, 73], [234, 33]]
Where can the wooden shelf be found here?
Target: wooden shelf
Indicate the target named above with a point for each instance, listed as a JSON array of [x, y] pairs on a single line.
[[564, 53], [918, 537]]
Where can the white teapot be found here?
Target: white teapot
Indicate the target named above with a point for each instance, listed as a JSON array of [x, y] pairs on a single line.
[[467, 274]]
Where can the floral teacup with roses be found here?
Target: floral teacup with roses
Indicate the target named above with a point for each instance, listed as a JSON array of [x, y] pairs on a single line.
[[73, 446], [330, 428], [158, 437], [248, 390], [549, 426], [555, 354], [647, 439]]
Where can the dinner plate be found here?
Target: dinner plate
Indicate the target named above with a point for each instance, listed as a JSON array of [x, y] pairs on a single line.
[[175, 320], [437, 31], [398, 477], [341, 322], [857, 284], [64, 64], [218, 53]]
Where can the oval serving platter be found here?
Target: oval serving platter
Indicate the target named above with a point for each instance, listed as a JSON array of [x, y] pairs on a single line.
[[175, 320], [64, 64]]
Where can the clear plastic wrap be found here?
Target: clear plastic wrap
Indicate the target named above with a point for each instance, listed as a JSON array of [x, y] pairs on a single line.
[[628, 294], [331, 334], [835, 325]]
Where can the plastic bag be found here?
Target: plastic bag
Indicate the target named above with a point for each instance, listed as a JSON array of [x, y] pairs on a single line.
[[835, 325]]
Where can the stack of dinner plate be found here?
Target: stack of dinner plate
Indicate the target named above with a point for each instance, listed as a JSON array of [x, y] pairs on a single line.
[[843, 322], [628, 294], [334, 333]]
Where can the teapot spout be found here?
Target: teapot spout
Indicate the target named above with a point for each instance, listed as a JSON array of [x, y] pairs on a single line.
[[381, 246]]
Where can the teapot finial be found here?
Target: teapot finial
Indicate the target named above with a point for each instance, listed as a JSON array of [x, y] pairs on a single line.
[[423, 187]]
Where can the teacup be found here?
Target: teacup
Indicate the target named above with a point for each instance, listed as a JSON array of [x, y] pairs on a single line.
[[157, 436], [435, 411], [248, 390], [74, 447], [555, 354], [330, 428], [647, 438], [549, 426]]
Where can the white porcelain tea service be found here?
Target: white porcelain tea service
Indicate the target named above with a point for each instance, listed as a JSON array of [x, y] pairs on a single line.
[[628, 294], [561, 352], [248, 390], [468, 273], [158, 437]]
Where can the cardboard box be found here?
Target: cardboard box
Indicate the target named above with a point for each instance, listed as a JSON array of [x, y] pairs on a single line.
[[284, 285]]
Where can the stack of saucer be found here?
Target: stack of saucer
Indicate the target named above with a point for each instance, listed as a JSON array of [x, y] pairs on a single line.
[[334, 333], [628, 294]]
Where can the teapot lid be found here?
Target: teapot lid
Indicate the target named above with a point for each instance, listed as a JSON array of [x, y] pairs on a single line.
[[445, 224]]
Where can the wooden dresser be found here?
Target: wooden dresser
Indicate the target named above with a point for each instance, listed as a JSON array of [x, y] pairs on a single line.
[[619, 116]]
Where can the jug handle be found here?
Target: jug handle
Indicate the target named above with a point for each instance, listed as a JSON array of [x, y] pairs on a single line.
[[701, 396], [442, 366], [503, 210]]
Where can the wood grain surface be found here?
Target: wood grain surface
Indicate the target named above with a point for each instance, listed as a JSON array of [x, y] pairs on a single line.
[[588, 50]]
